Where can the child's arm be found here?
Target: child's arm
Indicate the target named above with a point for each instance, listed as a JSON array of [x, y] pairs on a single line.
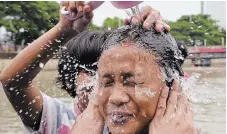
[[17, 77]]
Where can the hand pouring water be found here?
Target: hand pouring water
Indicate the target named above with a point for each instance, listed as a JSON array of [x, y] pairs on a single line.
[[95, 4]]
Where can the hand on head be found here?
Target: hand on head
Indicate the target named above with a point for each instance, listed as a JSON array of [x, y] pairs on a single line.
[[150, 17], [174, 114]]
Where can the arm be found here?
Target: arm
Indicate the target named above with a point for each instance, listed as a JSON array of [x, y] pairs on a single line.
[[17, 77]]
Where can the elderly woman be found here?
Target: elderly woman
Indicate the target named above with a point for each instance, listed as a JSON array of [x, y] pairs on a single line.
[[136, 71]]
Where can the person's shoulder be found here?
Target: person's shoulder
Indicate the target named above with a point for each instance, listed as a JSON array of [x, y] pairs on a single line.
[[58, 105], [66, 108], [61, 113]]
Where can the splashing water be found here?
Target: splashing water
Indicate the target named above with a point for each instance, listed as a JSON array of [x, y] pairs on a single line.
[[144, 93], [41, 65], [188, 85], [132, 11]]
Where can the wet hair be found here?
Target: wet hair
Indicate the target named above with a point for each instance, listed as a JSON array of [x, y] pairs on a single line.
[[163, 45], [81, 52]]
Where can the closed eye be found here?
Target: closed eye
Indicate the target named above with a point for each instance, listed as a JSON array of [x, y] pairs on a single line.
[[108, 80], [108, 83], [129, 83]]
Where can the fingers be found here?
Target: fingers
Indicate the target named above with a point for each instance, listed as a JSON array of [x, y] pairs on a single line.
[[151, 18], [182, 106], [166, 27], [149, 22], [126, 21], [162, 103], [64, 3], [172, 100], [73, 5], [136, 20], [88, 14], [142, 15], [79, 5], [159, 26]]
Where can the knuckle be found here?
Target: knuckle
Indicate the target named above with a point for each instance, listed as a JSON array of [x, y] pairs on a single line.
[[161, 107], [149, 8]]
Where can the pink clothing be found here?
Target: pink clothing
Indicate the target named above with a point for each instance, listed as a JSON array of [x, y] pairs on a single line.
[[57, 118]]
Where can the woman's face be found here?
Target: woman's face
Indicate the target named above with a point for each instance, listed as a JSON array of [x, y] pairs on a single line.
[[129, 88]]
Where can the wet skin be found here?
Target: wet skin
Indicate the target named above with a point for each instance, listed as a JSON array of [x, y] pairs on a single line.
[[129, 88], [82, 89]]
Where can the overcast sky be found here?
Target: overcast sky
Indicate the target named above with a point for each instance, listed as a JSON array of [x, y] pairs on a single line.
[[170, 10]]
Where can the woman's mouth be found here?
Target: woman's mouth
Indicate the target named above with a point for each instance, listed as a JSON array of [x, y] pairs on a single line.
[[120, 117]]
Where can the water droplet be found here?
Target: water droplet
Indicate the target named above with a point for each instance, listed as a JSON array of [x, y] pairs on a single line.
[[59, 41], [38, 55], [33, 101], [41, 65]]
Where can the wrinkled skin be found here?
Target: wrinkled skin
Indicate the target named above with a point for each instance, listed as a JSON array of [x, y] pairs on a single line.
[[125, 91], [128, 90]]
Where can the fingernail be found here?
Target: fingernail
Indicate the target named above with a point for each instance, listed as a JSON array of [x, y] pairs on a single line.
[[135, 21], [146, 25], [88, 9]]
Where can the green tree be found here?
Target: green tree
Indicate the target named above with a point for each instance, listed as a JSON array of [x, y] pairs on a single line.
[[94, 27], [112, 23], [197, 27], [28, 20]]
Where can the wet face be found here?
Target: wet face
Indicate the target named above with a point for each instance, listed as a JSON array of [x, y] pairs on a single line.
[[83, 89], [129, 87]]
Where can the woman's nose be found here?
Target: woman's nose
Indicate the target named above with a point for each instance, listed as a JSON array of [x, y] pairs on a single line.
[[119, 97]]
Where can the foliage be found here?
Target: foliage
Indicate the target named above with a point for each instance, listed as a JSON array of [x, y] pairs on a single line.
[[28, 20], [197, 27], [93, 27], [112, 23]]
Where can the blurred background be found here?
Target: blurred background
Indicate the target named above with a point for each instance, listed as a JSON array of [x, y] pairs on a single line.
[[200, 25]]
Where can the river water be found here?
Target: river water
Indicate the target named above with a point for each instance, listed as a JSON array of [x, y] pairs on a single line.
[[209, 100]]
